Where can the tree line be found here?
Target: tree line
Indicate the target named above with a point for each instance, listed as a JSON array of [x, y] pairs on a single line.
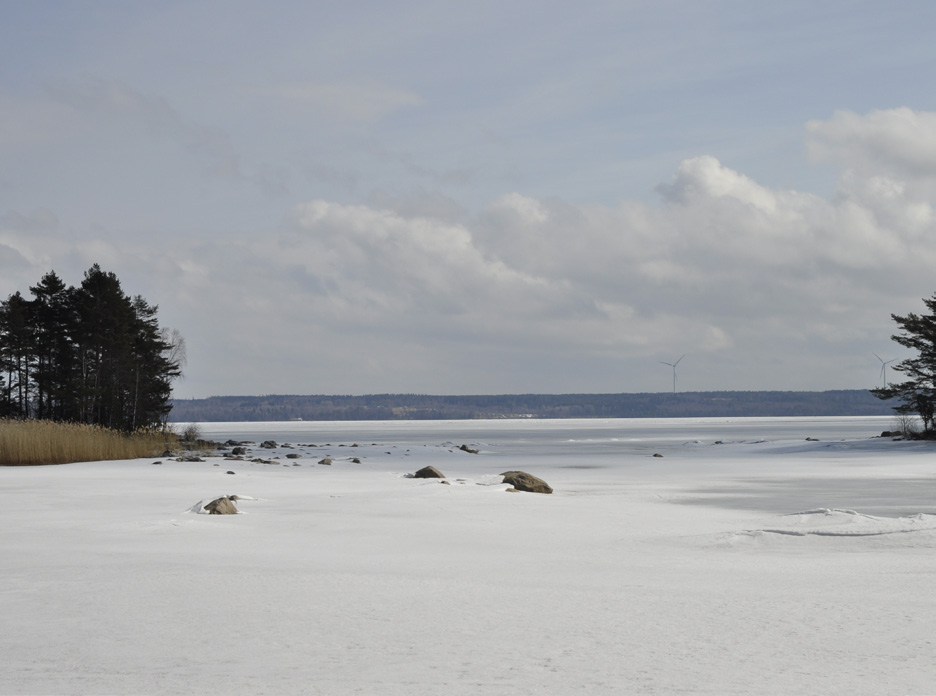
[[857, 402], [87, 354]]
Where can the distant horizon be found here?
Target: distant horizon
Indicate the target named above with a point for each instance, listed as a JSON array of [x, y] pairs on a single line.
[[531, 393], [273, 407]]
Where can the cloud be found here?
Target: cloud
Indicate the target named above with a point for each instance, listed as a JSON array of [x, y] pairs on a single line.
[[900, 142], [414, 293], [706, 177]]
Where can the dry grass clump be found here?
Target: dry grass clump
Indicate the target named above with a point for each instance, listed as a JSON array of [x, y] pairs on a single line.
[[32, 442]]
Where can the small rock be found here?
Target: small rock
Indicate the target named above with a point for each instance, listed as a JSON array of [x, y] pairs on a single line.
[[355, 460], [268, 444], [231, 473], [657, 454], [523, 481], [429, 472], [156, 463], [221, 506], [239, 451], [293, 455], [327, 461], [469, 450]]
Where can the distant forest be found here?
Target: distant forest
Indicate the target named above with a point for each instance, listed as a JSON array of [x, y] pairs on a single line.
[[851, 402]]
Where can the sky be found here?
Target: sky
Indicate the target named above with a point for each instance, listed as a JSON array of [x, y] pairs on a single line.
[[488, 197]]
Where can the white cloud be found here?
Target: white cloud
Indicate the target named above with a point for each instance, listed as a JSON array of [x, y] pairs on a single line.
[[897, 141], [705, 177]]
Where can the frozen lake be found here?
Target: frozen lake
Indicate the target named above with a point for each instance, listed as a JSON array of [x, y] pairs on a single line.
[[625, 443], [745, 559], [622, 434]]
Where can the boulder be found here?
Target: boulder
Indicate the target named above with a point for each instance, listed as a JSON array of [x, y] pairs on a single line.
[[523, 481], [327, 461], [268, 444], [429, 472], [221, 506], [239, 451], [293, 455]]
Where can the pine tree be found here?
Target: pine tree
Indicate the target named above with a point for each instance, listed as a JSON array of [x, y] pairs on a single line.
[[16, 354], [918, 393], [53, 323], [151, 369]]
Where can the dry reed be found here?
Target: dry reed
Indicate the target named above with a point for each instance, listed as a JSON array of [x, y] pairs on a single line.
[[24, 443]]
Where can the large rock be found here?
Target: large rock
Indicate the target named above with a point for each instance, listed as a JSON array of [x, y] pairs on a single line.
[[523, 481], [221, 506], [429, 472]]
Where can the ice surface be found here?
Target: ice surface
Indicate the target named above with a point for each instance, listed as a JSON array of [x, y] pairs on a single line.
[[762, 565]]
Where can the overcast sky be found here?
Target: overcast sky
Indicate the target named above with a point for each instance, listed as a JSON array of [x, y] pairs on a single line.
[[482, 197]]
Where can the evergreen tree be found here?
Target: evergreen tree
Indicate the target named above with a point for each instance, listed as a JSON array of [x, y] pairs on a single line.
[[152, 369], [918, 393], [16, 354], [53, 323]]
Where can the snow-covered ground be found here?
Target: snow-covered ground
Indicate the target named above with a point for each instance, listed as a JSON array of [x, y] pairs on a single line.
[[744, 560]]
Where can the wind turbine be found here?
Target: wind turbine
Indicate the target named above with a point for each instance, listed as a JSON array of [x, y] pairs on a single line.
[[673, 365], [884, 365]]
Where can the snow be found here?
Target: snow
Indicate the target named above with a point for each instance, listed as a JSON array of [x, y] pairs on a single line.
[[766, 564]]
